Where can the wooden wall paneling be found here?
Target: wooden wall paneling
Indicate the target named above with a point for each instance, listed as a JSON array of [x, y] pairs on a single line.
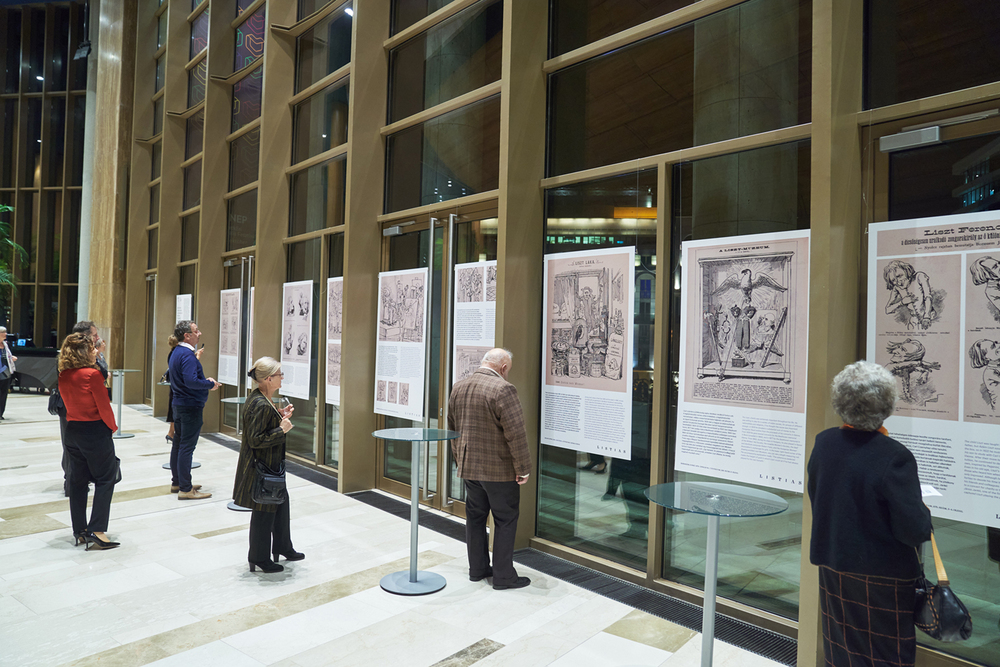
[[363, 243], [273, 194], [521, 213], [834, 304], [139, 216]]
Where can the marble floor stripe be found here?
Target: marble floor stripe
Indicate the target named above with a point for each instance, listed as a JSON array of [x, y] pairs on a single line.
[[28, 525], [194, 635], [220, 531], [650, 630], [63, 505], [470, 654]]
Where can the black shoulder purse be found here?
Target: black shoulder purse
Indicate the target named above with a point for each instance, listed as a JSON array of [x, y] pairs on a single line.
[[937, 611], [268, 485]]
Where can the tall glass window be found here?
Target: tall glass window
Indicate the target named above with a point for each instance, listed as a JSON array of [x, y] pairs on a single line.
[[318, 197], [190, 230], [323, 49], [737, 72], [199, 34], [454, 57], [320, 122], [74, 162], [760, 560], [244, 157], [917, 49], [241, 221], [156, 161], [152, 241], [304, 262], [161, 72], [576, 23], [194, 140], [246, 98], [250, 39], [157, 116], [57, 141], [32, 175], [595, 503], [12, 52], [192, 185], [10, 109], [58, 54], [453, 155], [407, 12], [35, 53], [161, 30], [197, 80], [154, 204]]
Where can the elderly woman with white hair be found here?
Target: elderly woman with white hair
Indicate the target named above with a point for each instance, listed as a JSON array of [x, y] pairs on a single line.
[[264, 429], [868, 517]]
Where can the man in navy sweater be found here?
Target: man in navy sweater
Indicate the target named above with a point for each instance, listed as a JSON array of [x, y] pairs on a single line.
[[190, 387]]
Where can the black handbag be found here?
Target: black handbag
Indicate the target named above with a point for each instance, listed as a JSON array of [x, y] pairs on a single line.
[[56, 405], [937, 611], [268, 485]]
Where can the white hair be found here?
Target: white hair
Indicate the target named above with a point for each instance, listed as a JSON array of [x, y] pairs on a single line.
[[864, 395], [498, 356]]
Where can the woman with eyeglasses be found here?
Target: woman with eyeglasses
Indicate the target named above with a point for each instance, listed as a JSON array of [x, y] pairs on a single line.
[[264, 429]]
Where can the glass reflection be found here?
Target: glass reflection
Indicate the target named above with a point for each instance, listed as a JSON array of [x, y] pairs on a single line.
[[587, 501], [318, 197], [323, 49], [246, 98], [244, 157], [320, 122], [249, 39]]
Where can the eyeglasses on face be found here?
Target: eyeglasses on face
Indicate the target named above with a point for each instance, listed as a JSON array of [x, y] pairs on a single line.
[[279, 374]]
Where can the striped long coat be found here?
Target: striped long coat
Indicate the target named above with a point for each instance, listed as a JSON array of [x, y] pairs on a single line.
[[263, 439]]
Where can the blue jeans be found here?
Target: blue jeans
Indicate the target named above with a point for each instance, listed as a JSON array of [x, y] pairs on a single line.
[[187, 428]]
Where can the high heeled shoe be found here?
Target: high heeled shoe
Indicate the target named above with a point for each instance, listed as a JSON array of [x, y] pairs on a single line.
[[79, 538], [291, 555], [98, 543], [267, 567]]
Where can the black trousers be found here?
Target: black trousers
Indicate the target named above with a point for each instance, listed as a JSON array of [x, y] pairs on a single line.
[[4, 390], [269, 533], [91, 453], [503, 499]]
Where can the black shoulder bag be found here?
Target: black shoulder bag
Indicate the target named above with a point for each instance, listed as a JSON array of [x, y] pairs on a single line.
[[268, 485], [937, 611]]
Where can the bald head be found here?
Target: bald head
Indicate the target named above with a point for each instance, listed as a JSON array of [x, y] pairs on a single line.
[[498, 359]]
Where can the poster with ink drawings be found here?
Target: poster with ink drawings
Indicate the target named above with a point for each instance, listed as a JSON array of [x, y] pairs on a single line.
[[475, 316], [229, 336], [399, 352], [334, 327], [744, 340], [588, 318], [934, 323], [296, 337], [182, 305]]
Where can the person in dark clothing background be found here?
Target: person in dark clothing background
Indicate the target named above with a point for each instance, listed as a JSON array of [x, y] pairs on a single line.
[[868, 520], [190, 390], [6, 370]]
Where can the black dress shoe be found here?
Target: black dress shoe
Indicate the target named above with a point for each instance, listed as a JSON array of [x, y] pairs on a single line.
[[291, 555], [520, 582], [480, 577], [98, 543], [267, 567]]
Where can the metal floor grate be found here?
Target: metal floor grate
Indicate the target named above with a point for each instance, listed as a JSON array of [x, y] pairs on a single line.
[[749, 637]]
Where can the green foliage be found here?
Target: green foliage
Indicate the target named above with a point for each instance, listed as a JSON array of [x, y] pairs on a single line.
[[10, 252]]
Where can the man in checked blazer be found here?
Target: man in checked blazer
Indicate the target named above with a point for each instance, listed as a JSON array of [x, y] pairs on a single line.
[[493, 459]]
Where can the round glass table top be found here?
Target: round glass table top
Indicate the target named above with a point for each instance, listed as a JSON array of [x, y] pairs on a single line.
[[716, 499], [123, 370], [416, 434]]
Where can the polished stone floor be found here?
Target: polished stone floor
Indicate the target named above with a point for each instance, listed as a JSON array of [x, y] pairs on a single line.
[[178, 590]]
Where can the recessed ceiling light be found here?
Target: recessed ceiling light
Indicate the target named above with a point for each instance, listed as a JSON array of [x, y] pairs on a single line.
[[349, 11], [40, 78]]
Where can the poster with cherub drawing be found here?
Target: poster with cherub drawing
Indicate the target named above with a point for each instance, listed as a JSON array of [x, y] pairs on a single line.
[[934, 323], [296, 337], [588, 322], [744, 343]]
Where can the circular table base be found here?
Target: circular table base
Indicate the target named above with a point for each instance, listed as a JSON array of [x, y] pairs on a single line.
[[119, 436], [194, 464], [400, 584], [237, 508]]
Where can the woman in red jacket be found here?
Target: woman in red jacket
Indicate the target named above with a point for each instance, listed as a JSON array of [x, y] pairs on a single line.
[[89, 425]]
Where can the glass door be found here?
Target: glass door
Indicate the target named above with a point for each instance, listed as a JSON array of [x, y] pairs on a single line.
[[238, 272], [408, 246]]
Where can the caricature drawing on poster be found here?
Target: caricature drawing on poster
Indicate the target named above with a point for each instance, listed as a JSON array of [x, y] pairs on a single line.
[[587, 351], [475, 315], [744, 317], [229, 336], [934, 323], [334, 326], [399, 351], [296, 337]]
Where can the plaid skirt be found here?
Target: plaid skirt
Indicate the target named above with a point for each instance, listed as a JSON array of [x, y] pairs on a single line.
[[867, 621]]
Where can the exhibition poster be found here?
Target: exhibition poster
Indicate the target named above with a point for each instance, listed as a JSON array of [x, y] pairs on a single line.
[[588, 302], [741, 411], [229, 336], [934, 323], [399, 354], [296, 337], [250, 358], [183, 307], [475, 316], [334, 325]]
